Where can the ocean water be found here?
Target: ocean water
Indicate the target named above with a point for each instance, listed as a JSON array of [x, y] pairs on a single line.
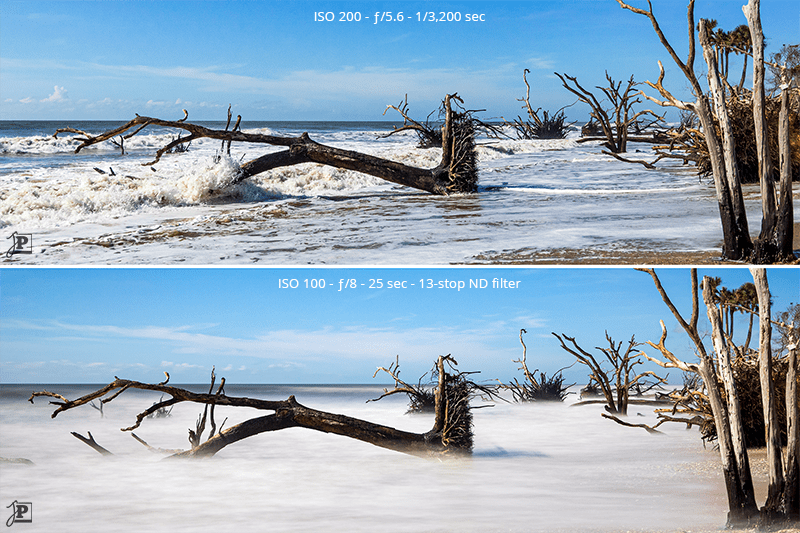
[[534, 197], [542, 467]]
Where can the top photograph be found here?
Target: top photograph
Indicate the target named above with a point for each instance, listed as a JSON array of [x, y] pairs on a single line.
[[287, 133]]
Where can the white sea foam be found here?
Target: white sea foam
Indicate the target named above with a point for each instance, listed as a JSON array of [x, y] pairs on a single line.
[[533, 196], [101, 197]]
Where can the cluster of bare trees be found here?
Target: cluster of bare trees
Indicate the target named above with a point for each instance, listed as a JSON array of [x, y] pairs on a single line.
[[732, 393], [734, 134], [774, 243], [717, 389]]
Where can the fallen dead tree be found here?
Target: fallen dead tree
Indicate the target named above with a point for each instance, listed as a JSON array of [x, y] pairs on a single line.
[[456, 172], [451, 433]]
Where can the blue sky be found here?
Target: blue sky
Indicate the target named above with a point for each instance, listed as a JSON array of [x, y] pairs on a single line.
[[88, 325], [271, 61]]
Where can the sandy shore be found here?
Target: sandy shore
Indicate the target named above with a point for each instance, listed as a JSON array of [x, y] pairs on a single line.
[[578, 256], [573, 256]]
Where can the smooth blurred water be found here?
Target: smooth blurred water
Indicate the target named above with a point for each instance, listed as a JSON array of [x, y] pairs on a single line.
[[542, 467]]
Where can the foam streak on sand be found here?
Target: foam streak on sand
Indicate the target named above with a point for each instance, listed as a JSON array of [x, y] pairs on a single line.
[[536, 198]]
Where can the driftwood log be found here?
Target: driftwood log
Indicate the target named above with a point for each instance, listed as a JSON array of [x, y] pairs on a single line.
[[456, 173], [451, 433]]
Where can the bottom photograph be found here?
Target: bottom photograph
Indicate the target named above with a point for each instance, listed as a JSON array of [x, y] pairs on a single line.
[[408, 399]]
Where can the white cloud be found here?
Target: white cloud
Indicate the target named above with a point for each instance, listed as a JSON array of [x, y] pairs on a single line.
[[296, 346], [27, 100], [540, 63], [59, 95], [170, 364], [344, 83], [285, 366]]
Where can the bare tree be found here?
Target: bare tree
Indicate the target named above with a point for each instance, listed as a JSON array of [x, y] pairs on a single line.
[[782, 227], [535, 127], [616, 383], [792, 479], [775, 239], [615, 127], [735, 466], [773, 505], [533, 389], [456, 173]]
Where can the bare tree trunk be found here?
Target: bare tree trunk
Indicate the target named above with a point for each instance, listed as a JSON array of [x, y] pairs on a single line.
[[305, 150], [292, 414], [772, 507], [736, 242], [784, 229], [792, 487], [731, 171], [752, 11], [734, 415]]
